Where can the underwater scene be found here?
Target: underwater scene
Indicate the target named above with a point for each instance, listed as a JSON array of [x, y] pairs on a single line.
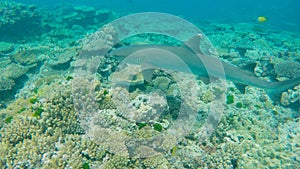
[[128, 84]]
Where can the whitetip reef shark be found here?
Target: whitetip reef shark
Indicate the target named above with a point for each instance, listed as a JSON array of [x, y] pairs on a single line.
[[189, 53]]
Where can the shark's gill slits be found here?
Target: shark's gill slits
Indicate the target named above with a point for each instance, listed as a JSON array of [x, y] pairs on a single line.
[[139, 58]]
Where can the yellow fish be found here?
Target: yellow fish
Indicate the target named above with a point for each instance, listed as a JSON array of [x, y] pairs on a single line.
[[261, 19]]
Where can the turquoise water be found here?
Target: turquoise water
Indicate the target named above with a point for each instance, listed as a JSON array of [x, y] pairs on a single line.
[[281, 14], [150, 84]]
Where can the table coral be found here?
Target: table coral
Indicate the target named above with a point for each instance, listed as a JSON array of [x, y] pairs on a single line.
[[61, 60], [288, 70], [14, 71], [30, 55]]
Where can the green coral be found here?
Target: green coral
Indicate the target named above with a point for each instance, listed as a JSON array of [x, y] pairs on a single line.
[[8, 119], [239, 105], [38, 112], [174, 151], [33, 100], [230, 99], [157, 127], [21, 110], [69, 78], [141, 125], [86, 166]]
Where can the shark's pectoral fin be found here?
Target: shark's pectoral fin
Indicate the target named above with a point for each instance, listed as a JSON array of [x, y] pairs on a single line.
[[240, 87], [148, 74], [274, 95]]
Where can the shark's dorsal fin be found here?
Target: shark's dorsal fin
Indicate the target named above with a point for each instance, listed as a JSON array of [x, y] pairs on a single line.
[[194, 42]]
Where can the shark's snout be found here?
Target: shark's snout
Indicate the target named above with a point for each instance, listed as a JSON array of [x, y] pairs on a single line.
[[116, 53]]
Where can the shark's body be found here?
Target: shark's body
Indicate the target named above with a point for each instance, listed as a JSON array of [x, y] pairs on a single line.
[[199, 64]]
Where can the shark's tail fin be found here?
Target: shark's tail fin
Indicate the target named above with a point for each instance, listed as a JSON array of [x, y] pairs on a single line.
[[277, 88]]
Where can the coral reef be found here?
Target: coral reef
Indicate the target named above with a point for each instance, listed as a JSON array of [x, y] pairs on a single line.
[[61, 60], [289, 70], [144, 108], [53, 134], [129, 76], [290, 97], [18, 20], [6, 84], [82, 15], [14, 71], [106, 118], [242, 44], [30, 55], [6, 48]]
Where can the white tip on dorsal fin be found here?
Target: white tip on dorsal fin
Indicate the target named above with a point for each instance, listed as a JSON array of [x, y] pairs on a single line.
[[194, 42]]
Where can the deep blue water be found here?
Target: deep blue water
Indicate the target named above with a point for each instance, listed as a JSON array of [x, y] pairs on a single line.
[[281, 14]]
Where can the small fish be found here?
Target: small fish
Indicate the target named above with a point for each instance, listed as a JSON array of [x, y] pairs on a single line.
[[158, 56], [261, 19]]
